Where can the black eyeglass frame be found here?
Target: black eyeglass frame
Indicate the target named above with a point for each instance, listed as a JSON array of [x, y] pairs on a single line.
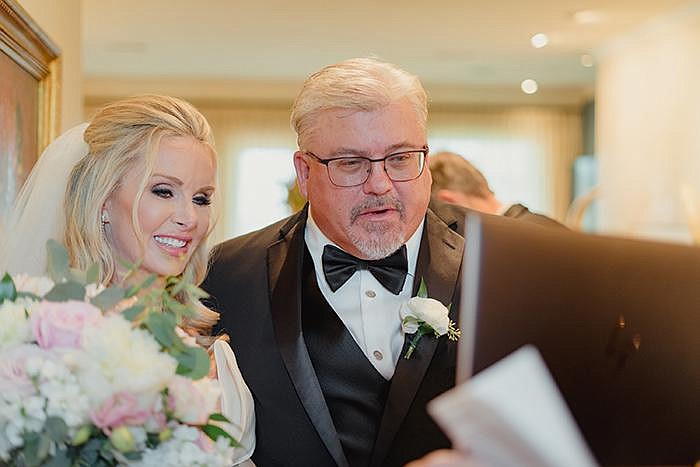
[[424, 150]]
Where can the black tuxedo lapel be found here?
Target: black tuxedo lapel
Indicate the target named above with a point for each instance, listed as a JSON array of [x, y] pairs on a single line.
[[285, 258], [439, 262]]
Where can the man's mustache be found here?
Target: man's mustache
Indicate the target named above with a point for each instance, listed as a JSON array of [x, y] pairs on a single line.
[[377, 202]]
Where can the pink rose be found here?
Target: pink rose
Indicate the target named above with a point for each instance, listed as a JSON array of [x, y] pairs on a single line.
[[193, 401], [13, 369], [60, 324], [120, 409]]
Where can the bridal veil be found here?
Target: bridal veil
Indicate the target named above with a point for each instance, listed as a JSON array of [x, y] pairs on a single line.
[[37, 215]]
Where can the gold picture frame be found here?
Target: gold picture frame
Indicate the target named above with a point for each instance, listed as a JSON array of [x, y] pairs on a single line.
[[29, 98]]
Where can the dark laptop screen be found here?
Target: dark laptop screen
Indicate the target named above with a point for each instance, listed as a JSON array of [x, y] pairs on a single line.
[[616, 320]]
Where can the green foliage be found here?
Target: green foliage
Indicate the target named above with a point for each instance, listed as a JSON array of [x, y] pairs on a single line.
[[422, 289], [108, 298], [35, 450], [59, 459], [64, 291], [193, 362], [57, 261], [214, 432], [56, 429], [7, 289], [132, 313], [162, 326], [92, 275], [217, 417]]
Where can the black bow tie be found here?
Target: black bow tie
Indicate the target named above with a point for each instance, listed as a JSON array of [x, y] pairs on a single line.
[[339, 266]]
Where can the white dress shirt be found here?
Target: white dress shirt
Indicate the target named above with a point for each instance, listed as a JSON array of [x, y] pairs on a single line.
[[366, 308]]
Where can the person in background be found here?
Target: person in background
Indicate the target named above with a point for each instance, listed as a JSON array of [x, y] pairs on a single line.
[[457, 181]]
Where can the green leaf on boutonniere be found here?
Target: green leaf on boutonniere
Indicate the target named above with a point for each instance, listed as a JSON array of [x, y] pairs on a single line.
[[422, 289], [7, 289], [422, 315]]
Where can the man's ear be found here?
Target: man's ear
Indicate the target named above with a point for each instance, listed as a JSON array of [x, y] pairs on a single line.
[[301, 166], [449, 196]]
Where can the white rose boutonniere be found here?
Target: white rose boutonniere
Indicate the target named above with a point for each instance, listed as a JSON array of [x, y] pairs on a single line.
[[421, 315]]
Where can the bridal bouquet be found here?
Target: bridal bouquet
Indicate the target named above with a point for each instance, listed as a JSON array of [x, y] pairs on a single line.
[[103, 376]]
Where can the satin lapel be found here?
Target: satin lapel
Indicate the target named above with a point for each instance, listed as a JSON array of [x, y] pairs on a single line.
[[439, 262], [284, 268]]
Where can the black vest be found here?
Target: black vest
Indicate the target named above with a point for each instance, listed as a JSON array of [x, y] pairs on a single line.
[[354, 391]]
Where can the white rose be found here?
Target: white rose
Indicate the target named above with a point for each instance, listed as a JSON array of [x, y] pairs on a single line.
[[117, 358], [426, 310], [39, 286], [15, 328]]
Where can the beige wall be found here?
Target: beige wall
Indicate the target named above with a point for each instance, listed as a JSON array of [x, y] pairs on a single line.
[[648, 127], [60, 20]]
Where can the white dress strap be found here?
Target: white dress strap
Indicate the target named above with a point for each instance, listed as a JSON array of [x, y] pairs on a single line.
[[236, 403]]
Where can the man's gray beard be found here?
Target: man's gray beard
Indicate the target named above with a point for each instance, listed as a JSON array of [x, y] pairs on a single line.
[[383, 239]]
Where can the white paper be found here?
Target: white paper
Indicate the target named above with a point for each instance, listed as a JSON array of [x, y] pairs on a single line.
[[512, 414]]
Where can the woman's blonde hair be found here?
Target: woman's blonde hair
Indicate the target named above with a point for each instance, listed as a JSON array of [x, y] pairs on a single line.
[[364, 84], [122, 136]]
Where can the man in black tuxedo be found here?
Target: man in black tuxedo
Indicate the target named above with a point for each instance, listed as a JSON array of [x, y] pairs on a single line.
[[457, 181], [311, 303]]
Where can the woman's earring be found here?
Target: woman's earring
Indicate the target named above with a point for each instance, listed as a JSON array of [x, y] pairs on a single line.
[[105, 219]]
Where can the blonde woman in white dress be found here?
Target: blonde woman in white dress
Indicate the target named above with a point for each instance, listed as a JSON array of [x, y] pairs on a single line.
[[136, 184]]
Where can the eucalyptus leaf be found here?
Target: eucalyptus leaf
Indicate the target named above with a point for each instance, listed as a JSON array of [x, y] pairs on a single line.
[[92, 275], [28, 295], [162, 326], [193, 362], [134, 289], [36, 449], [133, 312], [59, 459], [57, 261], [76, 275], [56, 429], [7, 289], [91, 451], [178, 285], [66, 291], [108, 298], [423, 289], [214, 432]]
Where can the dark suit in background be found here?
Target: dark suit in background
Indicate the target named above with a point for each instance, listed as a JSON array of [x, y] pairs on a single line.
[[520, 212]]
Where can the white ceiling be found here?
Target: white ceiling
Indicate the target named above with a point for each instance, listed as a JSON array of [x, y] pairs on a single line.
[[454, 43]]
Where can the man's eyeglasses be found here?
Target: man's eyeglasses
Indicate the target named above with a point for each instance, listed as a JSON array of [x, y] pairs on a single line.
[[350, 171]]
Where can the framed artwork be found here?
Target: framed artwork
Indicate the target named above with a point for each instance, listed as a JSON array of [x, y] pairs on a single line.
[[29, 98]]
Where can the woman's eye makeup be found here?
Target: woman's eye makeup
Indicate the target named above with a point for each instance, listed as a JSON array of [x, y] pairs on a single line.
[[202, 200], [162, 191], [166, 192]]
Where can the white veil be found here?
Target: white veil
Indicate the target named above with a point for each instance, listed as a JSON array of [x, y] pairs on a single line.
[[38, 212]]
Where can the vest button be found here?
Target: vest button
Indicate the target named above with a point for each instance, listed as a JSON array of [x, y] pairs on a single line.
[[378, 355], [371, 293]]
